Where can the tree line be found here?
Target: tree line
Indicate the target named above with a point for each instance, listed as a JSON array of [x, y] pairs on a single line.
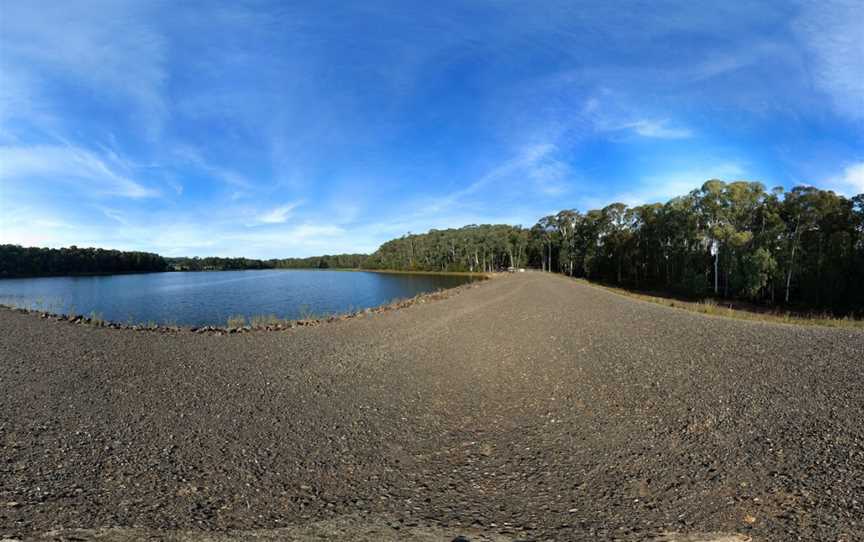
[[212, 263], [328, 261], [802, 248], [475, 248], [17, 261]]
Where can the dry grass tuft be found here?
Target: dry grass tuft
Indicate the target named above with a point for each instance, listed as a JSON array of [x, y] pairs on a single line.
[[262, 320], [714, 308], [236, 321]]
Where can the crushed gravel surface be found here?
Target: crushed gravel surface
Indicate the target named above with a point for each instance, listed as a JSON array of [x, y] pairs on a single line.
[[531, 407]]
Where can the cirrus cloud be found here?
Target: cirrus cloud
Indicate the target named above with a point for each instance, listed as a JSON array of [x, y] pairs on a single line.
[[659, 129], [278, 215], [83, 170]]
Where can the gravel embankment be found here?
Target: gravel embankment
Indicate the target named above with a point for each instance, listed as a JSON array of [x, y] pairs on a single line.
[[529, 408]]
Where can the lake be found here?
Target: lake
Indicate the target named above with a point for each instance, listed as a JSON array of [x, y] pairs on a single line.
[[210, 298]]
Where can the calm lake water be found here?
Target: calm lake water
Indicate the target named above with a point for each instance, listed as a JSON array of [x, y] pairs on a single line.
[[210, 298]]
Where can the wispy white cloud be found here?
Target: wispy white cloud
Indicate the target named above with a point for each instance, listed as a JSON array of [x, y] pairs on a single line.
[[186, 238], [246, 125], [613, 113], [833, 31], [83, 170], [107, 46], [115, 215], [535, 162], [850, 182], [25, 225], [663, 186], [278, 215], [176, 186], [20, 99], [658, 129], [311, 231], [720, 64], [552, 177], [193, 156], [128, 228], [532, 171]]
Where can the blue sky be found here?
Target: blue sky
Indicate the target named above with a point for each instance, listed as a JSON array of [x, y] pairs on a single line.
[[299, 128]]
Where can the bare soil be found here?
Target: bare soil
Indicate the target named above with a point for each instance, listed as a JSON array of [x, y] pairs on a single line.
[[527, 408]]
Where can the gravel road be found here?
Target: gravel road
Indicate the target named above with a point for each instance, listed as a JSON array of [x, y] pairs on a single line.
[[531, 407]]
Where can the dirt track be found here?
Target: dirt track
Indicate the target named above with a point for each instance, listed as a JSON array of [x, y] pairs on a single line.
[[528, 408]]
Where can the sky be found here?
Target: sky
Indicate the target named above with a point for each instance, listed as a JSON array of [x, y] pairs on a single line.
[[301, 128]]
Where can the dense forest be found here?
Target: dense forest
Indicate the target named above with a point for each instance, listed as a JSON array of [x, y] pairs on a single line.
[[16, 261], [215, 264], [334, 261], [482, 248], [328, 261], [803, 247]]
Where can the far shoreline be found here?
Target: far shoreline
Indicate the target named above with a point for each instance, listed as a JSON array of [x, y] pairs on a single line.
[[478, 274]]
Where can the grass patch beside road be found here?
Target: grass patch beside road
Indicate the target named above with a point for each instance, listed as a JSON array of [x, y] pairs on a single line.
[[714, 307]]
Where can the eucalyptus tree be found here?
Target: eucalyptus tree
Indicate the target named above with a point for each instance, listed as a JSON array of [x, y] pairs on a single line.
[[710, 208], [745, 269], [517, 244], [549, 228], [567, 222], [799, 216], [646, 223], [616, 235], [590, 240]]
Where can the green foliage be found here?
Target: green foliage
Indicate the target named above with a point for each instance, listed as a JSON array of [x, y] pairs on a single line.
[[336, 261], [328, 261], [694, 283], [471, 248], [757, 270], [17, 261], [216, 264], [806, 243], [804, 247]]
